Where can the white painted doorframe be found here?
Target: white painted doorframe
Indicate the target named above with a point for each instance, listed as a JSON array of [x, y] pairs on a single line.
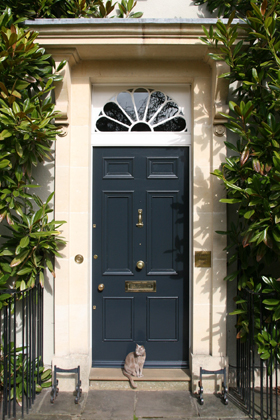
[[181, 94]]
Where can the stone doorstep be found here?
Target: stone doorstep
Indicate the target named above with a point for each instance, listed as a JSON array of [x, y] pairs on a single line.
[[152, 380], [154, 375]]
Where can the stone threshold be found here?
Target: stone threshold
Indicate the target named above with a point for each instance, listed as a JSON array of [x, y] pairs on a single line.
[[153, 375]]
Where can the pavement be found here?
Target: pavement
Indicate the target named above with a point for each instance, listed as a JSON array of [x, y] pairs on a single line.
[[133, 405]]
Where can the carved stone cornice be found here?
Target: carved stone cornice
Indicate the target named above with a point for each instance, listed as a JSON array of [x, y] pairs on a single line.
[[95, 39]]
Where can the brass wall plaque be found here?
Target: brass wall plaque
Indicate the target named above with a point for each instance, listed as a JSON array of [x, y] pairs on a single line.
[[141, 286], [202, 258]]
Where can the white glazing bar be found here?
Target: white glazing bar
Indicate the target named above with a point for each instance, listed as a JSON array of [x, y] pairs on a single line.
[[141, 139]]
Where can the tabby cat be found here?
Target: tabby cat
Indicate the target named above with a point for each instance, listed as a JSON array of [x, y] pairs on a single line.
[[133, 365]]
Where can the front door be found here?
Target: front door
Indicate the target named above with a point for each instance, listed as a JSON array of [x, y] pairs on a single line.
[[141, 254]]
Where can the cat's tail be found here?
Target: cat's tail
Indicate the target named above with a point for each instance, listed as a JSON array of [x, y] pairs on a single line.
[[132, 383]]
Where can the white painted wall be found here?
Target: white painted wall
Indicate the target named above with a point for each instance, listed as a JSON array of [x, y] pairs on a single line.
[[168, 9]]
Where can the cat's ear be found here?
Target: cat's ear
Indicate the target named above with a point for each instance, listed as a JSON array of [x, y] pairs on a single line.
[[137, 345]]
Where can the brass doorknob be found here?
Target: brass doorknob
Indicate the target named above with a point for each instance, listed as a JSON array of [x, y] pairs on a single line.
[[140, 264], [101, 287]]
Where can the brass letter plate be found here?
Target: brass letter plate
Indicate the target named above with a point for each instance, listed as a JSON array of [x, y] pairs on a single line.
[[141, 286], [203, 258]]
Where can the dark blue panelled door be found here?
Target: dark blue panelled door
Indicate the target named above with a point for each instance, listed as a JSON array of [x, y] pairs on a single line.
[[141, 255]]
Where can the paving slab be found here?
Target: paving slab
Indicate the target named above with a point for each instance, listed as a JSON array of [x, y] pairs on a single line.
[[63, 404], [115, 405], [214, 407], [165, 404], [63, 408]]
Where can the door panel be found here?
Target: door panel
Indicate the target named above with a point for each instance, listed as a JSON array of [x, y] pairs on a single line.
[[163, 168], [157, 307], [118, 168], [161, 232], [118, 319], [141, 213], [117, 218]]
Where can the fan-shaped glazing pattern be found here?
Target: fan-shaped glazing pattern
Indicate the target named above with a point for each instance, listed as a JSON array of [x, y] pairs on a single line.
[[141, 110]]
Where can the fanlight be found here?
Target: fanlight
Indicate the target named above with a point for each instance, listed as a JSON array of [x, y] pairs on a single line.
[[141, 110]]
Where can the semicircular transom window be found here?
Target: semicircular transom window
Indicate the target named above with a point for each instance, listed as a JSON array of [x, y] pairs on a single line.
[[141, 109]]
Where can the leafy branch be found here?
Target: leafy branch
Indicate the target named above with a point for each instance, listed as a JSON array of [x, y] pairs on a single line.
[[21, 366], [27, 131], [251, 171]]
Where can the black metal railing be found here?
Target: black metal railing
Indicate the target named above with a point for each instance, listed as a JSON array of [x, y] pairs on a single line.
[[21, 346], [256, 375]]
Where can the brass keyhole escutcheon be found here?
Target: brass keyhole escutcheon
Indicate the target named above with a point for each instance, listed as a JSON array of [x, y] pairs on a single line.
[[101, 287], [140, 264]]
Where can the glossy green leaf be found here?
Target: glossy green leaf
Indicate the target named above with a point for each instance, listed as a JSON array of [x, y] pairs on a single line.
[[265, 355], [238, 312], [271, 301], [137, 15], [5, 134], [24, 242], [230, 200], [46, 384], [4, 296], [22, 285], [42, 278], [49, 265], [24, 271], [20, 258], [4, 163], [46, 374], [232, 276], [249, 214], [38, 388], [277, 313]]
